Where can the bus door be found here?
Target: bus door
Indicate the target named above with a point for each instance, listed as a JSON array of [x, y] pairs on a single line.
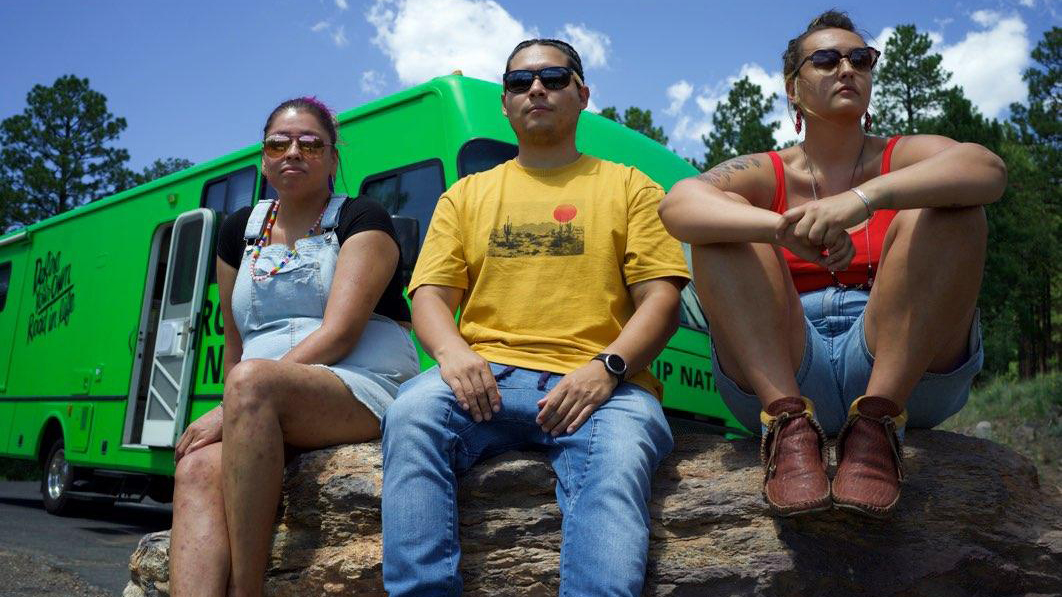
[[13, 263], [13, 275], [173, 357]]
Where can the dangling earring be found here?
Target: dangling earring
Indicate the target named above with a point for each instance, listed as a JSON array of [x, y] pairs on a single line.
[[799, 120], [331, 184], [867, 121]]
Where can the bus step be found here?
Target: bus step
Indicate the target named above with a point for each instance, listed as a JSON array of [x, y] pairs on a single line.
[[95, 496]]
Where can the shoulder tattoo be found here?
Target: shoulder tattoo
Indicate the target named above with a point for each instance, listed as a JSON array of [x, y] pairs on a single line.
[[720, 174]]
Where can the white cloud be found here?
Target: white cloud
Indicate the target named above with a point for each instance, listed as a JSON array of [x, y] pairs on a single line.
[[592, 107], [593, 46], [985, 18], [429, 38], [1027, 3], [988, 64], [679, 94], [342, 4], [689, 128], [338, 34], [372, 82]]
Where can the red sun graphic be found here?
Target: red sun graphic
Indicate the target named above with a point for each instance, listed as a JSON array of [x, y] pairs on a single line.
[[564, 213]]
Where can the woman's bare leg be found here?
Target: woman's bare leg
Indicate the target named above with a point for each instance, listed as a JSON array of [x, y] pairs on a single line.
[[268, 404], [755, 314], [199, 542], [922, 303]]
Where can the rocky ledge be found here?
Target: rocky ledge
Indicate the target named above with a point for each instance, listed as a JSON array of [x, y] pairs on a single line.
[[972, 521]]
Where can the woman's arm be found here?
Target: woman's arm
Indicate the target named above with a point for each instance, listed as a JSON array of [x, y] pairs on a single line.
[[934, 171], [367, 261], [233, 342], [729, 203], [930, 171]]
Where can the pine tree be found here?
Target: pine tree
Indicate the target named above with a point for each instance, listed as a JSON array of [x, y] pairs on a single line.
[[738, 126], [56, 154], [909, 84], [639, 120]]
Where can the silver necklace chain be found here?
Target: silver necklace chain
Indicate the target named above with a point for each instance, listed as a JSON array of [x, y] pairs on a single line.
[[866, 227]]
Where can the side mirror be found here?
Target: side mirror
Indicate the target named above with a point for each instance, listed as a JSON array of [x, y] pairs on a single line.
[[408, 231]]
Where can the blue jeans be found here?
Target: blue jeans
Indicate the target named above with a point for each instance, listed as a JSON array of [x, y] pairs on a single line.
[[837, 363], [604, 476]]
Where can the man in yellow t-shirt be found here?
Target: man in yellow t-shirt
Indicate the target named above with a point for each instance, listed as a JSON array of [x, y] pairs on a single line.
[[568, 287]]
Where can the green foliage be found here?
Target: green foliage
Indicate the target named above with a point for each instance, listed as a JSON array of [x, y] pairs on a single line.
[[1021, 275], [1038, 131], [1025, 415], [55, 154], [159, 168], [639, 120], [737, 125], [909, 84]]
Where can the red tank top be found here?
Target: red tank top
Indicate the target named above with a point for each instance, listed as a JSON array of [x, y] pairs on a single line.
[[808, 276]]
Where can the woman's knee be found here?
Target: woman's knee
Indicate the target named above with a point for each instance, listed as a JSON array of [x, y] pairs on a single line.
[[970, 224], [199, 469], [250, 387]]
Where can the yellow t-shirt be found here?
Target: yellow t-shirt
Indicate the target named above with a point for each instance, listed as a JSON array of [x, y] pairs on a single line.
[[545, 257]]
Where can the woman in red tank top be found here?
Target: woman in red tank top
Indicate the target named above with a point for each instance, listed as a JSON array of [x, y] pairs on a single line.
[[840, 279]]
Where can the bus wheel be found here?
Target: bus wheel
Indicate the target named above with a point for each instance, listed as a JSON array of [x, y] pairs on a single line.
[[56, 481]]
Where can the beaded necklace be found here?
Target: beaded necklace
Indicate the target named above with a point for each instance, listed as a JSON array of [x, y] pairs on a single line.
[[866, 228], [264, 240]]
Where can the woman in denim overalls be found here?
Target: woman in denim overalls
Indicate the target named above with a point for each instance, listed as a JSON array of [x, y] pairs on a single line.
[[308, 363]]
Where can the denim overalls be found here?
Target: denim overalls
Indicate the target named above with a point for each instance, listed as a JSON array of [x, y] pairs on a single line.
[[275, 314]]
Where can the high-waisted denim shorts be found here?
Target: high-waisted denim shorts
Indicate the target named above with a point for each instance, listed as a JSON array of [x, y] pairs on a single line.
[[837, 363]]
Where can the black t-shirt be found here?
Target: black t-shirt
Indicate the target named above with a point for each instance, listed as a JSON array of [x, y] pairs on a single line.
[[356, 215]]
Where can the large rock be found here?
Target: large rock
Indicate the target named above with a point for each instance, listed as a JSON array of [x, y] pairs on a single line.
[[972, 521]]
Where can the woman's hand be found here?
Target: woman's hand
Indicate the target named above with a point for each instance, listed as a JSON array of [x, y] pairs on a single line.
[[835, 256], [202, 432], [823, 222]]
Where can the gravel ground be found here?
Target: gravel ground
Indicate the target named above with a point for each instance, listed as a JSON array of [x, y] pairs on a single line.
[[23, 575]]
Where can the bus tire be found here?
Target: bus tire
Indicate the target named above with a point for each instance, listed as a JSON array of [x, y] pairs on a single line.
[[56, 481]]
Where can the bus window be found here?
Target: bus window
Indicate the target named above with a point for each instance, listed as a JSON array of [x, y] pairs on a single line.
[[5, 282], [411, 191], [483, 154], [231, 192], [690, 314], [182, 282]]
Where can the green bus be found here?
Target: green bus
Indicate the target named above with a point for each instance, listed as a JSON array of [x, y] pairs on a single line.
[[110, 330]]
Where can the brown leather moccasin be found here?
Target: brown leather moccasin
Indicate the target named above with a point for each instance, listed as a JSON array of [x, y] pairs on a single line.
[[791, 449], [869, 457]]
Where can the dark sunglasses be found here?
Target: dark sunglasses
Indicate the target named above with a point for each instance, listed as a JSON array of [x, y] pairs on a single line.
[[310, 146], [552, 77], [861, 59]]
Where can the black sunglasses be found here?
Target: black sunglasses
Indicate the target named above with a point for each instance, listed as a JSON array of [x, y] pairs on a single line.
[[862, 59], [552, 77]]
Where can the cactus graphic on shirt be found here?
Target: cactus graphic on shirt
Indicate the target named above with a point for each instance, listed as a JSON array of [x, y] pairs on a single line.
[[563, 237]]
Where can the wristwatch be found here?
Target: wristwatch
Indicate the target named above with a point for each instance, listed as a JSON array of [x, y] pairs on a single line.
[[614, 364]]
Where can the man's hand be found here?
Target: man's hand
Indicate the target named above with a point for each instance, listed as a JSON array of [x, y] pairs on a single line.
[[469, 376], [202, 432], [569, 404]]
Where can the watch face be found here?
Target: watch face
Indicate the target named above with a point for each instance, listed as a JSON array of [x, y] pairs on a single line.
[[615, 364]]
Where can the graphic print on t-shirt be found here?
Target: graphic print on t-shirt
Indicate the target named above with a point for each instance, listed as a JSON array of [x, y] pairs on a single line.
[[530, 235]]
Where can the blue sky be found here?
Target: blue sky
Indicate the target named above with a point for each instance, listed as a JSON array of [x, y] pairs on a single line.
[[196, 79]]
